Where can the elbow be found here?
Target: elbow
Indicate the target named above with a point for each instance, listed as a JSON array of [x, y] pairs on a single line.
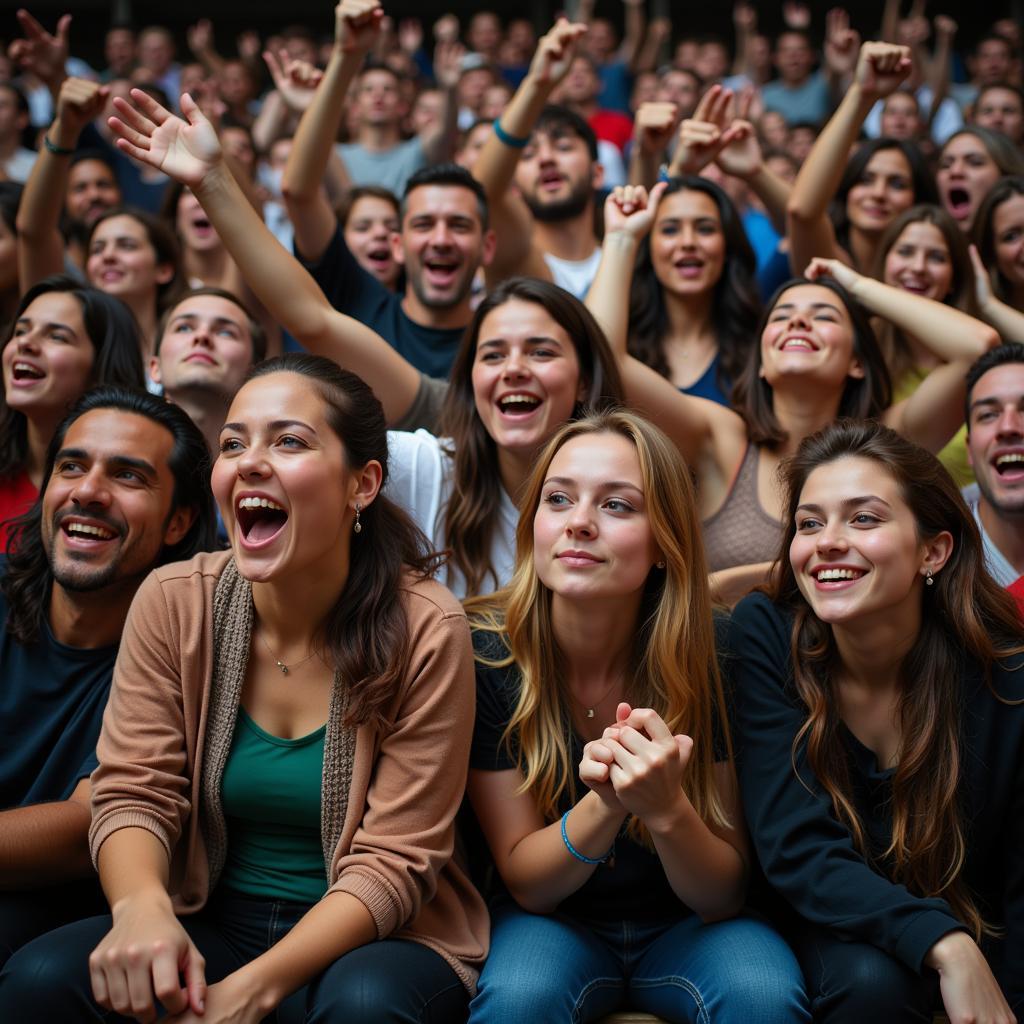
[[294, 196], [990, 339], [722, 910], [532, 902], [798, 211]]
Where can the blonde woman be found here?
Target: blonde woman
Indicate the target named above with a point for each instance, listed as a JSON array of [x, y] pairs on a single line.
[[601, 771]]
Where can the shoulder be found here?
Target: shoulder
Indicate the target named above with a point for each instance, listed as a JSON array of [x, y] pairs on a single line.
[[178, 586], [757, 613], [427, 600]]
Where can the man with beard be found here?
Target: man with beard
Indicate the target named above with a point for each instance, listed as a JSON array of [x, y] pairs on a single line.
[[545, 227], [125, 490], [995, 449]]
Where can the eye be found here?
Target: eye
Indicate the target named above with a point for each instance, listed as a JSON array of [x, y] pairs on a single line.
[[291, 441], [618, 505], [556, 499], [230, 444], [69, 467], [865, 519], [807, 523], [130, 476]]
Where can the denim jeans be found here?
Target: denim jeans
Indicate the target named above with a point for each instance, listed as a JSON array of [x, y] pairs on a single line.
[[388, 981], [556, 968]]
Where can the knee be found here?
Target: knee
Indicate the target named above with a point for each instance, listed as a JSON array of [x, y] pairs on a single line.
[[33, 983], [867, 983], [506, 993]]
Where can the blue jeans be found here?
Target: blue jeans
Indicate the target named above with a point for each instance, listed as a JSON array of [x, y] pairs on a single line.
[[556, 968]]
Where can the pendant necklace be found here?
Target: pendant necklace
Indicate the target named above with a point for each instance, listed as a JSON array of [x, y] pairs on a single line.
[[591, 709], [285, 669]]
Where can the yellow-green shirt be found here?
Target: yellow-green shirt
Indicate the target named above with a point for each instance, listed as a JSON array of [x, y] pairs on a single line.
[[954, 455]]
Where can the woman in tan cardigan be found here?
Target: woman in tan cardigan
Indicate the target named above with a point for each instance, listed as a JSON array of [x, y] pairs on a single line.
[[284, 752]]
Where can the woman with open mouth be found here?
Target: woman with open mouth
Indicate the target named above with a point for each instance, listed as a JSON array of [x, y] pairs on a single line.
[[601, 772], [818, 359], [999, 233], [865, 191], [65, 338], [879, 729], [531, 359], [285, 750], [971, 162]]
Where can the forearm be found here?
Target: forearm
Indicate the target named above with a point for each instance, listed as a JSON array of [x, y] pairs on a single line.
[[270, 122], [1009, 322], [333, 927], [890, 21], [938, 77], [541, 872], [635, 24], [774, 193], [439, 143], [643, 167], [133, 865], [608, 297], [650, 55], [496, 165], [705, 872], [44, 844]]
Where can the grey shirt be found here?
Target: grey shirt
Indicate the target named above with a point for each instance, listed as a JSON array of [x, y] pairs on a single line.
[[996, 562]]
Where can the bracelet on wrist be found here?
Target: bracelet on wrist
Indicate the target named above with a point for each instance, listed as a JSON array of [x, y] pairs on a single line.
[[512, 141], [52, 147], [582, 856]]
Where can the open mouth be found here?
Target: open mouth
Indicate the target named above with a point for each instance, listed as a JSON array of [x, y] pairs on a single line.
[[836, 578], [798, 344], [87, 534], [551, 180], [26, 372], [1010, 465], [202, 227], [260, 520], [518, 405], [915, 286], [441, 272], [380, 258], [959, 202], [689, 266]]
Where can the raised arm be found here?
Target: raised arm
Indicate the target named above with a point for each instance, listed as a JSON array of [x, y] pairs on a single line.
[[191, 153], [935, 411], [653, 129], [635, 22], [1009, 322], [356, 27], [438, 141], [496, 165], [939, 66], [40, 244], [881, 67]]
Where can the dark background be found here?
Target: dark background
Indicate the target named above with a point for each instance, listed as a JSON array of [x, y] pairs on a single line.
[[92, 17]]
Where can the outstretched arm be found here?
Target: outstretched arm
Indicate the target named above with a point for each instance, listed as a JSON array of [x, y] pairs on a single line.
[[880, 69], [190, 153]]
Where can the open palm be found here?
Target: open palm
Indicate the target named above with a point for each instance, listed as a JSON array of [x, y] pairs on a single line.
[[151, 134]]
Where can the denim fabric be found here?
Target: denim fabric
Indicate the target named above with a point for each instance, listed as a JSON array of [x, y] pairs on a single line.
[[388, 981], [559, 969]]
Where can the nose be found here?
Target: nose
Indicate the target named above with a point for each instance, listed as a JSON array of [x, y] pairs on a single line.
[[918, 262], [91, 489], [1011, 422], [799, 318], [831, 538], [252, 463], [580, 522], [515, 364], [440, 235]]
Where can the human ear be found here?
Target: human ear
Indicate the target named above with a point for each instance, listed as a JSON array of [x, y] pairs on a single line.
[[179, 523], [937, 552]]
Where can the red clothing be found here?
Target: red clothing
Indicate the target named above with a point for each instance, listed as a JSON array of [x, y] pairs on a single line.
[[17, 493], [613, 127], [1017, 592]]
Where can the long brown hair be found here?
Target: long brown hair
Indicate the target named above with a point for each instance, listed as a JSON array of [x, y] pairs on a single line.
[[674, 669], [967, 620], [473, 507]]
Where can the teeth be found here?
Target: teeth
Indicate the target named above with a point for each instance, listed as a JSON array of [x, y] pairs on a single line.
[[95, 531], [26, 368], [798, 343], [824, 575], [259, 503], [519, 400], [1005, 460]]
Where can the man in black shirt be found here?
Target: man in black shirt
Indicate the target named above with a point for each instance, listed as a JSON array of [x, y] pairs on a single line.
[[125, 490]]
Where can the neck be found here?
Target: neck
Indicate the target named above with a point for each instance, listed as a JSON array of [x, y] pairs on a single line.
[[441, 317], [209, 266], [10, 146], [40, 432], [585, 108], [872, 651], [144, 308], [924, 357], [291, 611], [378, 136], [570, 239], [91, 619], [689, 317], [802, 411], [514, 469], [207, 409], [1007, 534], [863, 247]]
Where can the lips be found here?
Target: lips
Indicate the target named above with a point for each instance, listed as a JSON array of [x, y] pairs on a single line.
[[1009, 465], [578, 559], [260, 520], [24, 372], [836, 577], [86, 533], [518, 404], [958, 200], [798, 343]]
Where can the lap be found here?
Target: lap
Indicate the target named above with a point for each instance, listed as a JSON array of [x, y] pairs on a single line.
[[26, 915]]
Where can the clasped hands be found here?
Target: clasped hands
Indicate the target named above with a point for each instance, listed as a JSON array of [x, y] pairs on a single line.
[[637, 766]]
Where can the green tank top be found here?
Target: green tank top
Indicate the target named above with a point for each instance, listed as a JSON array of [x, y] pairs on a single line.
[[271, 798]]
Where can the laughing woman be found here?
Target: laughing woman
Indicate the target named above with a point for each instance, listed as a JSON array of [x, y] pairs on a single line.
[[302, 828], [624, 876], [880, 739]]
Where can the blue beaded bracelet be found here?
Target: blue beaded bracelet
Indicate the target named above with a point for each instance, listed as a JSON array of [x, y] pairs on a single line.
[[582, 856], [513, 141]]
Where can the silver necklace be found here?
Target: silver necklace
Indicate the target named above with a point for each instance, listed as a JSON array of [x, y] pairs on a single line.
[[285, 669]]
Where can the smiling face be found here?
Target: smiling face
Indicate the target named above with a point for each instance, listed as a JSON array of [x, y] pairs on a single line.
[[885, 189], [856, 554], [809, 334], [995, 438], [919, 262], [48, 361], [283, 482], [123, 262], [1008, 239], [371, 223], [526, 376], [688, 244], [92, 190], [591, 532], [965, 174], [108, 505]]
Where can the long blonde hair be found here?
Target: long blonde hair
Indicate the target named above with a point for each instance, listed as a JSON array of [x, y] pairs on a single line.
[[674, 669]]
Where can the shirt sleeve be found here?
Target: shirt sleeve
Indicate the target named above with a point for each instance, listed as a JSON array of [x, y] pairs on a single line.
[[807, 854], [425, 411]]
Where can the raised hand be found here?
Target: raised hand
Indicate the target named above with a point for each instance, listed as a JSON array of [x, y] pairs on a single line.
[[151, 134], [357, 24], [295, 80], [796, 15], [842, 43], [200, 37], [78, 103], [248, 45], [820, 267], [982, 282], [555, 52], [448, 63], [410, 35], [882, 68], [630, 209], [741, 155], [40, 53], [703, 136], [654, 126], [446, 29], [945, 26]]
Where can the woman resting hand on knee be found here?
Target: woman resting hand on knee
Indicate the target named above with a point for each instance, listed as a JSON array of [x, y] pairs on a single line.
[[880, 739], [283, 754], [624, 878]]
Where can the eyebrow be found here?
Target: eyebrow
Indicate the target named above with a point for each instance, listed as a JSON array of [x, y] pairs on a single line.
[[27, 321], [610, 485], [273, 425], [540, 339], [996, 400], [814, 305], [864, 499], [125, 461]]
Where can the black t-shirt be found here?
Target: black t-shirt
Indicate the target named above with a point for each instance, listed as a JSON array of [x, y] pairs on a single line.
[[356, 292], [52, 699], [633, 886]]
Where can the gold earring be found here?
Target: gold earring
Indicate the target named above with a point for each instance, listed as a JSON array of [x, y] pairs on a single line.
[[358, 527]]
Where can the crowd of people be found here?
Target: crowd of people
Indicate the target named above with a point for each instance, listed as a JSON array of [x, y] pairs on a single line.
[[510, 523]]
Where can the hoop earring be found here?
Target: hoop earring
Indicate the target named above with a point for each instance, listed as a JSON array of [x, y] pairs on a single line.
[[358, 526]]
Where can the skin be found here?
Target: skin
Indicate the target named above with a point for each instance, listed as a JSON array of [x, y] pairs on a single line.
[[193, 226], [371, 223], [92, 190], [688, 227], [1002, 111], [470, 150], [966, 172], [1008, 233], [919, 262], [122, 261], [885, 190], [378, 99], [555, 169], [793, 59], [901, 118]]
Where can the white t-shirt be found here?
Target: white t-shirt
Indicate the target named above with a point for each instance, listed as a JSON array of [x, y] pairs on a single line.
[[996, 562], [420, 481], [575, 276]]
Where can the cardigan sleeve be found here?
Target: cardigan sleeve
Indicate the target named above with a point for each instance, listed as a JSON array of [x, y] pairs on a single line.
[[407, 832], [806, 853], [141, 781]]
